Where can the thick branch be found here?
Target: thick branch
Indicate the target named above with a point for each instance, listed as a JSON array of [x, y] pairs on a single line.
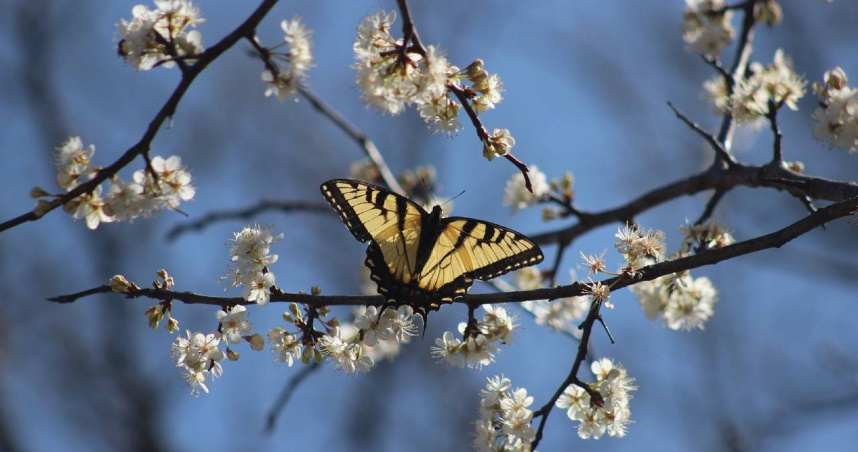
[[772, 176], [167, 111], [708, 257]]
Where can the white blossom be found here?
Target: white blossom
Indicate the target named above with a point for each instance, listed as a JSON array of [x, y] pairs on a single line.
[[518, 196], [234, 324], [683, 302], [285, 346], [155, 37], [199, 355], [707, 29], [837, 115], [614, 385], [776, 82], [345, 355]]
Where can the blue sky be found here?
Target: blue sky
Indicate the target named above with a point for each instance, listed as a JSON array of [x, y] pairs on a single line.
[[586, 90]]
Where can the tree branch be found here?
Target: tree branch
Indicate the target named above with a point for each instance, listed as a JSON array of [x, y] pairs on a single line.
[[286, 394], [709, 257], [167, 110], [357, 135], [719, 149], [247, 213], [772, 176]]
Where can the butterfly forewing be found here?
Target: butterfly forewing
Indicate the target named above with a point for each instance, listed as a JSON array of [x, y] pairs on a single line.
[[477, 249], [390, 220]]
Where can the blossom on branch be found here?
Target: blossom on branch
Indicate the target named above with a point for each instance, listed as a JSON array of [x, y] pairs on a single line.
[[776, 83], [518, 196], [480, 340], [250, 254], [505, 418], [614, 385], [681, 301], [285, 79], [706, 27], [160, 36], [199, 355], [837, 115]]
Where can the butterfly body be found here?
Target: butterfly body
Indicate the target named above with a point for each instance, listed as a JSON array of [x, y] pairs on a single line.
[[419, 258]]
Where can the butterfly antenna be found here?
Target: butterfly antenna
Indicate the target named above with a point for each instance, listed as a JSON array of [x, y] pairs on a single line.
[[454, 197], [426, 186]]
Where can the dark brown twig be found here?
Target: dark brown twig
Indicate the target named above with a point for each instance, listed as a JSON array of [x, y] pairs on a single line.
[[247, 213], [710, 206], [286, 394], [572, 378], [483, 133], [716, 145]]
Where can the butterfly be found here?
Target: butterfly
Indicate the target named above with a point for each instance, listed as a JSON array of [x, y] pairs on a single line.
[[419, 258]]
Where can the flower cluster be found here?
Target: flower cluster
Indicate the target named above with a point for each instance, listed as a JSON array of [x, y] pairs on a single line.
[[479, 341], [563, 190], [837, 115], [611, 415], [776, 83], [284, 80], [393, 324], [518, 196], [499, 143], [558, 314], [286, 346], [160, 36], [706, 27], [391, 75], [250, 262], [199, 356], [163, 185], [505, 419], [700, 237], [639, 247], [346, 354], [681, 301]]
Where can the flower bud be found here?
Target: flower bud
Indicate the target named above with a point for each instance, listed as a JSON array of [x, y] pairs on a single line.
[[256, 341]]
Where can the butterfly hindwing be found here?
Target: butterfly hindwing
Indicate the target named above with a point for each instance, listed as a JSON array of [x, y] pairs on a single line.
[[419, 259]]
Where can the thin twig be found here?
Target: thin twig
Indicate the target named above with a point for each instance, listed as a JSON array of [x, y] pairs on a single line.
[[368, 147], [483, 134], [716, 145], [286, 394], [166, 112], [357, 135], [710, 206], [716, 64], [708, 257], [739, 68], [246, 213]]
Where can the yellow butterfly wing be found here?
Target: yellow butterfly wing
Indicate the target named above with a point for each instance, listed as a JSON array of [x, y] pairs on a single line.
[[391, 221], [469, 249]]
